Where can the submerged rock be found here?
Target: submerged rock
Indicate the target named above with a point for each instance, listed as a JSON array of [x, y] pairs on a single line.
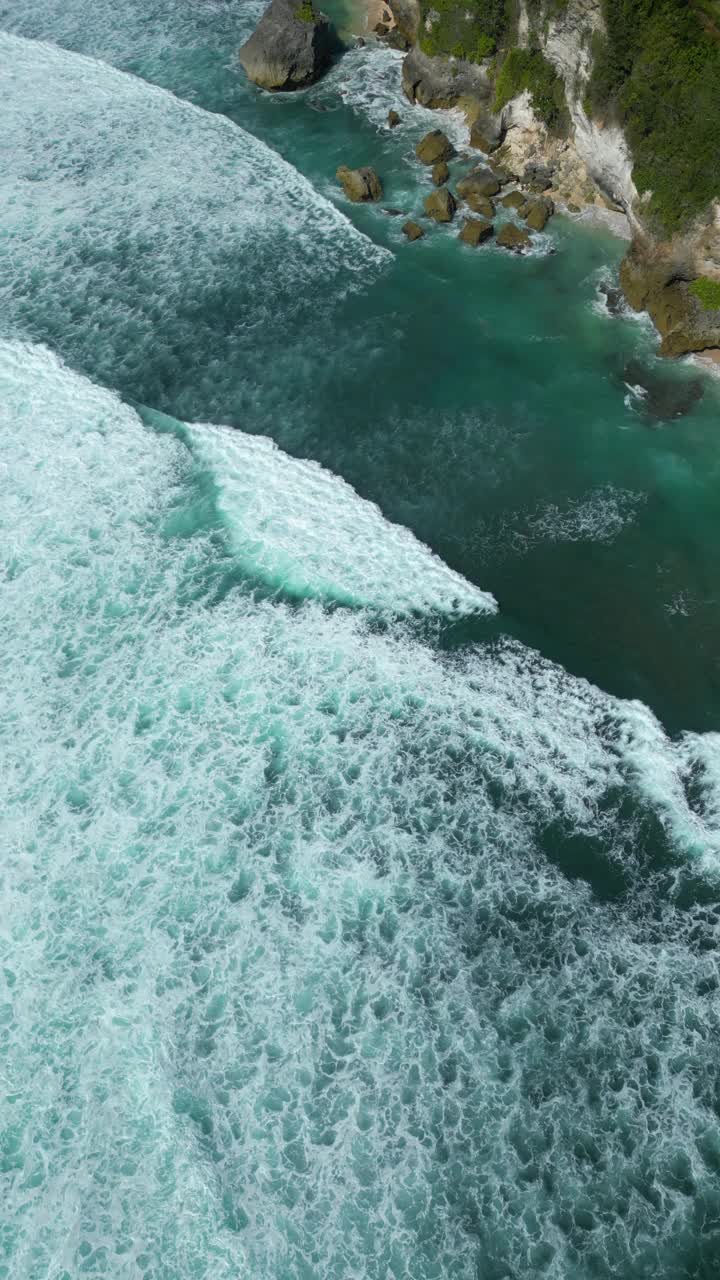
[[413, 230], [479, 182], [475, 231], [661, 396], [393, 119], [514, 238], [441, 205], [290, 47], [360, 185], [440, 173], [434, 147]]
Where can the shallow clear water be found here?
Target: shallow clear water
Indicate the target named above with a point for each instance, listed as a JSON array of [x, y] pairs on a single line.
[[351, 927]]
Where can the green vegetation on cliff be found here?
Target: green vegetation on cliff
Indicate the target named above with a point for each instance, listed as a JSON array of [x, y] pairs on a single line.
[[708, 292], [529, 69], [658, 73], [470, 29]]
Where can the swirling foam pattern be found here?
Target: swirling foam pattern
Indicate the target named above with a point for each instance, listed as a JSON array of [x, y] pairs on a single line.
[[323, 956]]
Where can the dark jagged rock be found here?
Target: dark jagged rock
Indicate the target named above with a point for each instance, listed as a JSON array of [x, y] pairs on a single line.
[[413, 231], [441, 205], [434, 147], [514, 238], [360, 185], [444, 82], [479, 182], [475, 231], [393, 119], [381, 29], [440, 173], [393, 213], [538, 177], [290, 47]]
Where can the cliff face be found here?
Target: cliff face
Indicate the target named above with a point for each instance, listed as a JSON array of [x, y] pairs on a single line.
[[620, 97]]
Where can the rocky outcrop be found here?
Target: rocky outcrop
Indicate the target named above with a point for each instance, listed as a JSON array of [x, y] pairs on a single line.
[[514, 238], [440, 173], [360, 185], [434, 147], [290, 48], [479, 183], [536, 212], [475, 231], [657, 279], [393, 119], [445, 82], [440, 205], [407, 18], [413, 230]]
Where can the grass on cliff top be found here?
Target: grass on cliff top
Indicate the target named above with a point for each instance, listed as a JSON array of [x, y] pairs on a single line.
[[529, 69], [708, 291], [658, 73], [304, 12], [469, 29]]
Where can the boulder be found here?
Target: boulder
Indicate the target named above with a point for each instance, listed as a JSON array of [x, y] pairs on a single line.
[[514, 200], [475, 231], [536, 212], [486, 132], [664, 396], [360, 185], [393, 119], [413, 230], [445, 82], [480, 204], [479, 182], [381, 29], [290, 47], [396, 40], [435, 146], [440, 205], [440, 173], [513, 238]]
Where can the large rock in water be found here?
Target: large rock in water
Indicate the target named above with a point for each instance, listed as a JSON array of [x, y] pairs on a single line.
[[475, 231], [434, 147], [513, 238], [479, 182], [360, 185], [440, 205], [291, 46]]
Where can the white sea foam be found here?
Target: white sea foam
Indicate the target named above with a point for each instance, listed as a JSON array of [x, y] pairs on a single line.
[[299, 527], [290, 983]]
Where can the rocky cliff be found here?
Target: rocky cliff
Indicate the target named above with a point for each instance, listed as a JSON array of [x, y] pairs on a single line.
[[620, 98]]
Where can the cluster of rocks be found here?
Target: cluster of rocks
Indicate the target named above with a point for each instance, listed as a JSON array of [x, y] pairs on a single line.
[[480, 191]]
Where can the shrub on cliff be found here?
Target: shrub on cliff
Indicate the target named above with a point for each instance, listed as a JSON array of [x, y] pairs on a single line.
[[469, 29], [658, 73], [529, 69]]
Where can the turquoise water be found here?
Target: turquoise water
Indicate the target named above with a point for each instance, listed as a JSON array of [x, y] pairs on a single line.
[[359, 702]]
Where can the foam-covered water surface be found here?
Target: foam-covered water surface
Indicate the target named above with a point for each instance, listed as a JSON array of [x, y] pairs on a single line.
[[295, 979]]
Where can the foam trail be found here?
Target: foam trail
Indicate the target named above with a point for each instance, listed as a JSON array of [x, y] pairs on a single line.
[[291, 982], [299, 527]]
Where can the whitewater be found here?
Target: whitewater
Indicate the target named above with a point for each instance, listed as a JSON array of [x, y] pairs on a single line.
[[345, 931]]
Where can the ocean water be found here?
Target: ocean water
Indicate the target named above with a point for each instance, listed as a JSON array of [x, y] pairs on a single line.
[[359, 704]]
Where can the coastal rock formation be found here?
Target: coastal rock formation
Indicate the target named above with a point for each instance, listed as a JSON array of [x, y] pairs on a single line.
[[486, 132], [536, 212], [290, 47], [475, 231], [441, 205], [393, 119], [413, 230], [514, 238], [514, 200], [444, 82], [407, 18], [440, 173], [684, 307], [360, 185], [434, 147], [478, 183]]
